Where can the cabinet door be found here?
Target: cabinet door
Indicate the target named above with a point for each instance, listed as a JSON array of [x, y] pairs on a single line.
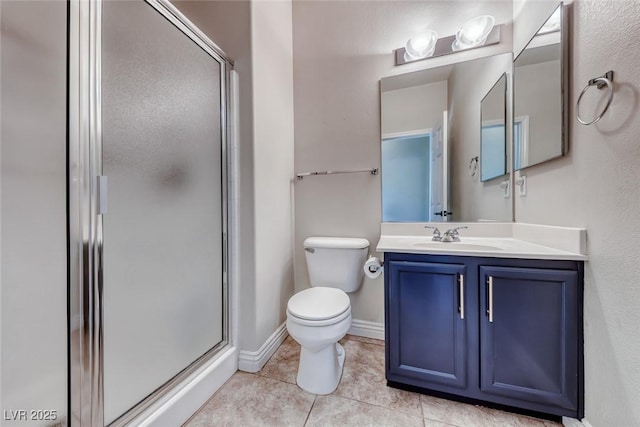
[[425, 325], [529, 336]]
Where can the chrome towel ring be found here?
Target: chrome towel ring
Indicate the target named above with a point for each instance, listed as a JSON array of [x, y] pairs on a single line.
[[473, 166], [599, 82]]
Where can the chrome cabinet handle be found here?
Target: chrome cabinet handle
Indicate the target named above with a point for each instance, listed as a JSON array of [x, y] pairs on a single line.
[[461, 293], [490, 310]]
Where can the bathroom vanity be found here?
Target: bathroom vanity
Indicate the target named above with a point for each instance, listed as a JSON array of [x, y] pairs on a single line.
[[495, 319]]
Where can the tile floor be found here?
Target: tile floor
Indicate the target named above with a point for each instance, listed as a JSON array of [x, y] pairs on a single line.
[[272, 398]]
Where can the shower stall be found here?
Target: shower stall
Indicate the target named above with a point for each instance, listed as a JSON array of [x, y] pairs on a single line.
[[145, 191]]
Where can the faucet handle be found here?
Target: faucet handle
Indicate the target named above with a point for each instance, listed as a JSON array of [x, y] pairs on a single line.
[[455, 230], [452, 234], [436, 233]]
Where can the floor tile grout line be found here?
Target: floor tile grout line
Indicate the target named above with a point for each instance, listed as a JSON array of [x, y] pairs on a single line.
[[306, 420], [422, 416], [442, 422], [259, 376], [271, 378], [267, 376], [375, 405], [353, 399], [348, 398]]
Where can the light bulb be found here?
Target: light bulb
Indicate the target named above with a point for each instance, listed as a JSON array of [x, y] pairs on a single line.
[[473, 32], [421, 45]]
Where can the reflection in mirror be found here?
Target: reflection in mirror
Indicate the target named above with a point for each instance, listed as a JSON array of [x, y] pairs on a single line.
[[493, 137], [406, 189], [430, 129], [540, 105]]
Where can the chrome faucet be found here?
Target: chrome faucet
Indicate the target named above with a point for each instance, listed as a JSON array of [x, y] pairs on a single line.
[[437, 237], [452, 235]]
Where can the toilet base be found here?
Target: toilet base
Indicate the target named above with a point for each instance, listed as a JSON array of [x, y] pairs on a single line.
[[319, 372]]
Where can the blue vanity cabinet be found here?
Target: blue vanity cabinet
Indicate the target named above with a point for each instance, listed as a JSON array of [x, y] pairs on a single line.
[[529, 330], [518, 342], [427, 338]]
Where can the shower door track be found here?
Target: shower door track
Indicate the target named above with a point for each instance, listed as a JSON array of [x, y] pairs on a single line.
[[86, 395]]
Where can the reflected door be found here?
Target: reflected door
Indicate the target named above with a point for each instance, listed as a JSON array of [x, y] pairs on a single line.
[[163, 232], [405, 179], [439, 194]]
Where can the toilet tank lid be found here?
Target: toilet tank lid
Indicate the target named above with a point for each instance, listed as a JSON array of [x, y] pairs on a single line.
[[336, 242]]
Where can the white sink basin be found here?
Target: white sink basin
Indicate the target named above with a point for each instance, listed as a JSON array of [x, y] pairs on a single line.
[[460, 246]]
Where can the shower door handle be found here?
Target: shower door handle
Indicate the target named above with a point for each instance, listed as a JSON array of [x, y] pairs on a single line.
[[102, 190]]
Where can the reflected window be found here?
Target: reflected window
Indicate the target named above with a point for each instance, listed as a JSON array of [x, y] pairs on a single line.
[[520, 142], [493, 152]]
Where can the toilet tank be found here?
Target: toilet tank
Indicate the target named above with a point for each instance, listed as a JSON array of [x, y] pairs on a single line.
[[336, 262]]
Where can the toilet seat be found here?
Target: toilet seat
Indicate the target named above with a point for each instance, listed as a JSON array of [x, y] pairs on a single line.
[[319, 306]]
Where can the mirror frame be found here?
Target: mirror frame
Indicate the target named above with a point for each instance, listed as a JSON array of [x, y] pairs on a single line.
[[565, 12], [506, 123]]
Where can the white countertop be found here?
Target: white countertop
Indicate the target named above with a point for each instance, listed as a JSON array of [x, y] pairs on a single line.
[[499, 240]]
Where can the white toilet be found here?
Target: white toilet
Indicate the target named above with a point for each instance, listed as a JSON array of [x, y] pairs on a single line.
[[320, 316]]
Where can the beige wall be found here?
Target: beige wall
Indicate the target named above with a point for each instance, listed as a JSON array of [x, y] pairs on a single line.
[[471, 199], [414, 108], [271, 39], [596, 186], [341, 51]]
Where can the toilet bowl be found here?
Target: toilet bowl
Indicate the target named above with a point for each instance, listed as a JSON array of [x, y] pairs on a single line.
[[318, 317]]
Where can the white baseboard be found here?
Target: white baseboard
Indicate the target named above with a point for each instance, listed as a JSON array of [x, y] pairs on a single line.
[[253, 361], [572, 422], [363, 328], [177, 407]]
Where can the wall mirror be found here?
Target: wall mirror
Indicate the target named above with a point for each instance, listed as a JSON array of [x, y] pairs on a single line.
[[430, 127], [540, 98], [493, 135]]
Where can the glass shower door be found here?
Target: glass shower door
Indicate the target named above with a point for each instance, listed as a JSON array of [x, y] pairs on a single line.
[[163, 231]]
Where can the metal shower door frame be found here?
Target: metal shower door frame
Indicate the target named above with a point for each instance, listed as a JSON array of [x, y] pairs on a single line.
[[86, 394]]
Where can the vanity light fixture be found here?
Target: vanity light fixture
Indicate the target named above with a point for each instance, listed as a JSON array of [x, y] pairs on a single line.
[[477, 32], [473, 33], [422, 45]]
